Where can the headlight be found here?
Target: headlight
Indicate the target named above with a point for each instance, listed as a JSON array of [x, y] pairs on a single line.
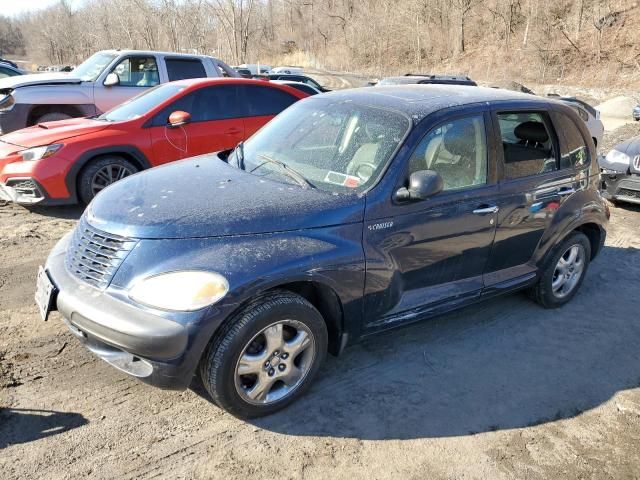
[[181, 291], [39, 153], [616, 160]]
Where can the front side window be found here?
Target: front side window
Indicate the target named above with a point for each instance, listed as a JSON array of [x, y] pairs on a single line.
[[573, 151], [92, 67], [457, 150], [182, 68], [527, 144], [137, 72], [335, 146], [205, 105]]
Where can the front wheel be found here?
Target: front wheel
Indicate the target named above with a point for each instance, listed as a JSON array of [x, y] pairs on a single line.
[[266, 356], [100, 173], [564, 272]]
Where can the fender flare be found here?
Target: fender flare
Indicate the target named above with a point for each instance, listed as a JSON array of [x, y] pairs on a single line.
[[72, 176]]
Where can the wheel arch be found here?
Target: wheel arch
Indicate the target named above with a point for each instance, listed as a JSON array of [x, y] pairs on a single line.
[[129, 152], [38, 111]]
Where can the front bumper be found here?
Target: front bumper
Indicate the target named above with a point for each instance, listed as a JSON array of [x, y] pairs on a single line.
[[24, 191], [157, 350], [624, 187]]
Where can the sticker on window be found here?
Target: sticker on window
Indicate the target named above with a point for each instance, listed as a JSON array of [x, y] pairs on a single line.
[[338, 178]]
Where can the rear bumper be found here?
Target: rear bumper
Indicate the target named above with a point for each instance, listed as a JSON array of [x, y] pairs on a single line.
[[157, 350], [624, 187]]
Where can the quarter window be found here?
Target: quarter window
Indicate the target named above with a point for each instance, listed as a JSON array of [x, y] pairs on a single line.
[[137, 72], [182, 68], [527, 144], [457, 150], [573, 151]]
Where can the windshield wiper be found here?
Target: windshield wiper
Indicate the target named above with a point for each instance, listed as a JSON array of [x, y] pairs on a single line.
[[291, 173]]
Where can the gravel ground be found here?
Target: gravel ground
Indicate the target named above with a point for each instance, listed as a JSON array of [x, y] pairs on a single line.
[[502, 390]]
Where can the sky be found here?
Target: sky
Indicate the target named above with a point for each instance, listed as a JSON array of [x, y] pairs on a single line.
[[15, 7]]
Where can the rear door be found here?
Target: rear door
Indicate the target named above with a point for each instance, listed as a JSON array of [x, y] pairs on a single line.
[[264, 103], [216, 124], [534, 182]]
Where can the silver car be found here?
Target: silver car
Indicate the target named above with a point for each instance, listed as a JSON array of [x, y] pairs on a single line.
[[620, 172]]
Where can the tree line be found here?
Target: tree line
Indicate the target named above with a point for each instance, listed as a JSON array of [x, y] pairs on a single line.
[[370, 36]]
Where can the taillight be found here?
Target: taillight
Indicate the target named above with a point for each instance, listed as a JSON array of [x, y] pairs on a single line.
[[636, 162]]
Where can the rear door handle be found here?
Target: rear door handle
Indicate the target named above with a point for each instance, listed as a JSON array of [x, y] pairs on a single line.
[[485, 210], [563, 192]]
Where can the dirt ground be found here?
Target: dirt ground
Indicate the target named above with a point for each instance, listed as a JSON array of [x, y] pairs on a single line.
[[503, 390]]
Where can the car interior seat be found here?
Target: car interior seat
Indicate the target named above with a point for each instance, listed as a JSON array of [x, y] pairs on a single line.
[[367, 153]]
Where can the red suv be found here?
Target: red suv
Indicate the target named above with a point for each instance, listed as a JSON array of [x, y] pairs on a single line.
[[68, 161]]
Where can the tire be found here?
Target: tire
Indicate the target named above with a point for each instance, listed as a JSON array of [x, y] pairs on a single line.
[[95, 174], [243, 336], [546, 292], [52, 117]]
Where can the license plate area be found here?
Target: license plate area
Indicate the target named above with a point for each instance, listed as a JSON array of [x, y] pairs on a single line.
[[45, 293]]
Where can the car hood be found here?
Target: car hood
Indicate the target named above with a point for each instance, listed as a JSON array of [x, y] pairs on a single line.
[[206, 197], [37, 79], [52, 132]]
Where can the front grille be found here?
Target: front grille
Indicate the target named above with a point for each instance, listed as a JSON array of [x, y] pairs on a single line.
[[94, 256], [625, 192]]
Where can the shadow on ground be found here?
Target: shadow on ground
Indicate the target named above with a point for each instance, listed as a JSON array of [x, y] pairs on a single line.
[[70, 212], [22, 426], [503, 364]]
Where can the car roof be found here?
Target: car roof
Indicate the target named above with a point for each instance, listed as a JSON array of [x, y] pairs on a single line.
[[193, 83], [418, 101], [154, 52]]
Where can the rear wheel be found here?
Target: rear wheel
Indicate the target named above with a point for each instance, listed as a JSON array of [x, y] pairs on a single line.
[[266, 356], [102, 172], [563, 272]]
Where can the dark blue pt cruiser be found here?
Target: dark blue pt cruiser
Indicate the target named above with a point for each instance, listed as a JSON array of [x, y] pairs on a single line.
[[350, 213]]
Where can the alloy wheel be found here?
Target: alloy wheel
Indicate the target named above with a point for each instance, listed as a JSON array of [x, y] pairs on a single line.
[[107, 175], [568, 271], [275, 362]]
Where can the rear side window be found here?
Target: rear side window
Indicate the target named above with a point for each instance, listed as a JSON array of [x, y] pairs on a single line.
[[573, 149], [181, 68], [527, 144], [206, 105], [267, 100], [7, 72], [583, 115]]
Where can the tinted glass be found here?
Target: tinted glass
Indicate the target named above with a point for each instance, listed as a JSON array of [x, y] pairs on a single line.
[[338, 147], [527, 144], [181, 68], [137, 72], [141, 104], [303, 88], [92, 67], [583, 115], [573, 150], [267, 100], [205, 105], [457, 150], [7, 72]]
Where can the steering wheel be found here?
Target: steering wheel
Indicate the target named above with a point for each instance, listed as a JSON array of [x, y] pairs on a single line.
[[366, 175]]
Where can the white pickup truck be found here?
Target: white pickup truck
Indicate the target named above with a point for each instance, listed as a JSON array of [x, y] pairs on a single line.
[[103, 81]]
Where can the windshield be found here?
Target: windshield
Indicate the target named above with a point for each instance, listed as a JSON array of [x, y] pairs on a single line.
[[92, 67], [141, 104], [335, 146]]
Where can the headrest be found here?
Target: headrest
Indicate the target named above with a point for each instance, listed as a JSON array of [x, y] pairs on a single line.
[[531, 132], [460, 138]]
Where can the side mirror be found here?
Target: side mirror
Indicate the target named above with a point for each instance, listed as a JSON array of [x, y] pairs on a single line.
[[422, 185], [179, 118], [112, 80]]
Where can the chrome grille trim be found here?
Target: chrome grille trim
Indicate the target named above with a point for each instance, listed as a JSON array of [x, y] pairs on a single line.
[[94, 256]]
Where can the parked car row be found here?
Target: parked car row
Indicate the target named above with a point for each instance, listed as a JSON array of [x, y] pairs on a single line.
[[278, 240]]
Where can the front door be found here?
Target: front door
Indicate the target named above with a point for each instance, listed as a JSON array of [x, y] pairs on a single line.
[[136, 73], [431, 254], [216, 124]]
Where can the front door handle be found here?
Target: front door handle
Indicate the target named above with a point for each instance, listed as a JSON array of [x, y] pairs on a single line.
[[484, 210], [563, 192]]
